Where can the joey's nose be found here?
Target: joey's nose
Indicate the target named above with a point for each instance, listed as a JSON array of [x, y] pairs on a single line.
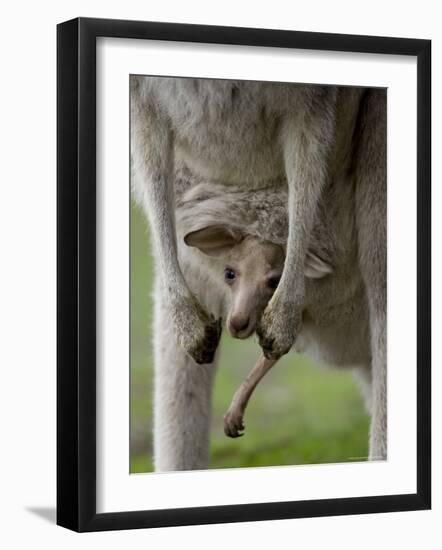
[[239, 324]]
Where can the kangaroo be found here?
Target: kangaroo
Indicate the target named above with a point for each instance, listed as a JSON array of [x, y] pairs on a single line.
[[252, 270], [308, 141]]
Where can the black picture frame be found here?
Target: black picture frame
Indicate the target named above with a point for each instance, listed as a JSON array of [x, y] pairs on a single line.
[[76, 273]]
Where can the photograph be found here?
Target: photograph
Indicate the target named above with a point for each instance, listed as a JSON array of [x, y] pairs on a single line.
[[258, 274]]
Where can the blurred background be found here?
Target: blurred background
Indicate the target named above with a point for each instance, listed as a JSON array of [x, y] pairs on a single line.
[[299, 413]]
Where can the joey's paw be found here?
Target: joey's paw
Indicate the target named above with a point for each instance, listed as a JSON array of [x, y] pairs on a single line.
[[197, 331], [278, 328], [233, 423]]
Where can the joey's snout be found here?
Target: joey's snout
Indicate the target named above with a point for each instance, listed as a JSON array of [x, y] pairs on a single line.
[[253, 275], [240, 326], [245, 311]]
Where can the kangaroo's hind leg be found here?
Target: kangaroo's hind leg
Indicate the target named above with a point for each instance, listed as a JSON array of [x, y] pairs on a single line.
[[371, 221], [182, 399]]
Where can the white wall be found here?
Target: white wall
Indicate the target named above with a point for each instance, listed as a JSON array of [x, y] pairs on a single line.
[[27, 272]]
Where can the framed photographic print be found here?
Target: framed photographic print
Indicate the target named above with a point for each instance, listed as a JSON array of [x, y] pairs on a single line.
[[243, 274]]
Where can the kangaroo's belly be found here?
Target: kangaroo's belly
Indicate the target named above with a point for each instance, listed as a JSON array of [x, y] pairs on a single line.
[[337, 336]]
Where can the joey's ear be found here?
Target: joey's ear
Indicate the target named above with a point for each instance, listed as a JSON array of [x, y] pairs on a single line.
[[214, 240], [315, 268]]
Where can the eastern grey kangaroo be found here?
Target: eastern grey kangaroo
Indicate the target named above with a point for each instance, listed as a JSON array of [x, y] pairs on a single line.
[[311, 141]]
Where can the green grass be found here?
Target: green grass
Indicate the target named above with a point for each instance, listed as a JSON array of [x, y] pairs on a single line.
[[299, 414]]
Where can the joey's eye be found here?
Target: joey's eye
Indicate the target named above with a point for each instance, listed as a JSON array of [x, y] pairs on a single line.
[[229, 275], [273, 282]]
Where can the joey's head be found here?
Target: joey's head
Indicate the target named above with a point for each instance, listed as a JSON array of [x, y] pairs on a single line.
[[251, 268]]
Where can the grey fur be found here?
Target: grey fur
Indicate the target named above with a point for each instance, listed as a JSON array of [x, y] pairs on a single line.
[[318, 150]]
